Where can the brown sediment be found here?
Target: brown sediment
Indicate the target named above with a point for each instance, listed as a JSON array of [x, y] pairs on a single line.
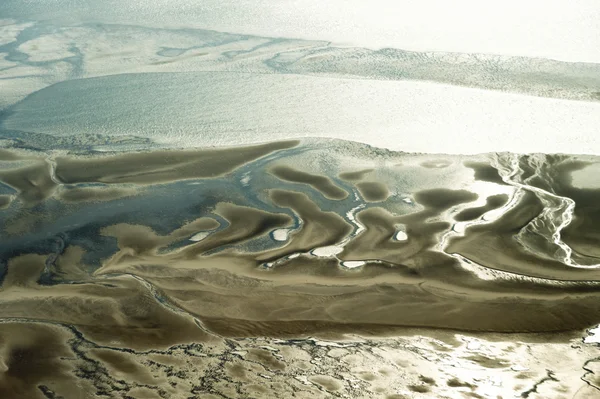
[[160, 302], [441, 199], [487, 362], [108, 310], [266, 308], [70, 265], [456, 383], [420, 287], [124, 365], [5, 201], [33, 181], [427, 380], [94, 194], [355, 176], [582, 234], [236, 370], [10, 155], [327, 330], [373, 191], [492, 202], [382, 306], [327, 382], [24, 271], [497, 238], [306, 300], [319, 228], [161, 166], [322, 184], [419, 388], [138, 239], [244, 224], [485, 172], [32, 355], [474, 395], [376, 242], [266, 358]]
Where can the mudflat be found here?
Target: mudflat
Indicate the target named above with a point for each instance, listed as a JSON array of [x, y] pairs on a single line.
[[117, 257]]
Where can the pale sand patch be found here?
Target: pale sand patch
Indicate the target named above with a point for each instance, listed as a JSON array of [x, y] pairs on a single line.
[[199, 236], [351, 264], [280, 234], [330, 250]]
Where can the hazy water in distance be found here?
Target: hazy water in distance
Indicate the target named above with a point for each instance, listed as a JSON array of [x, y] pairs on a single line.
[[207, 108], [554, 29]]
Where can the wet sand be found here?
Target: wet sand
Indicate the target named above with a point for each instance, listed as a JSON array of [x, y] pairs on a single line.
[[176, 251], [161, 166], [320, 183]]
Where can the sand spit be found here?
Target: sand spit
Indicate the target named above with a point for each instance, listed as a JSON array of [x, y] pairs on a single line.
[[161, 166]]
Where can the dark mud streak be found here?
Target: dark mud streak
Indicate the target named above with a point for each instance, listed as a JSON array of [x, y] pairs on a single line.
[[373, 191], [486, 362], [419, 388], [456, 383], [485, 172], [355, 176], [588, 371], [441, 199], [549, 377], [319, 228], [244, 224], [5, 201], [322, 184], [492, 202]]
